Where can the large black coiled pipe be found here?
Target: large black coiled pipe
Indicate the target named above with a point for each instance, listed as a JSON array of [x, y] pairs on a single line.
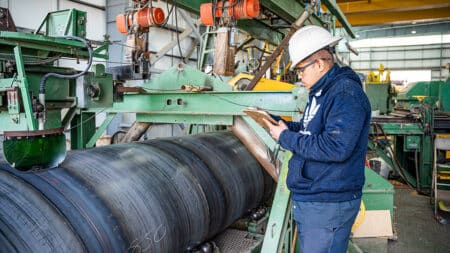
[[162, 195]]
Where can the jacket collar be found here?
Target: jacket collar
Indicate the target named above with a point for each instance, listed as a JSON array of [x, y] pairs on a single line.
[[324, 82]]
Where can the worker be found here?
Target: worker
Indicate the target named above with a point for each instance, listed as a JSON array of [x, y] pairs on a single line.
[[328, 145]]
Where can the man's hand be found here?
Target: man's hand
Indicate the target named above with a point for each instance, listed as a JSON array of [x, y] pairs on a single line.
[[275, 130]]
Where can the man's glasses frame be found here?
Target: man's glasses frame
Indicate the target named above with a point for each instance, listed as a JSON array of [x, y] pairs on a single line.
[[301, 69]]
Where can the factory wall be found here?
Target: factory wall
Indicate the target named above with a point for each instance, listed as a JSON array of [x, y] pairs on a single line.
[[423, 57], [28, 14], [419, 51], [158, 36]]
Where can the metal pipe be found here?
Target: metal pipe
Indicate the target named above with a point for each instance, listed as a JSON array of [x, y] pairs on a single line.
[[135, 132], [256, 147], [162, 195], [85, 3]]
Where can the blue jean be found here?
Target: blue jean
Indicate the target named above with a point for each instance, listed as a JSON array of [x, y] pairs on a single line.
[[324, 227]]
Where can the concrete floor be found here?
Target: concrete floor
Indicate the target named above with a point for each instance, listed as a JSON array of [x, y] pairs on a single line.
[[415, 226]]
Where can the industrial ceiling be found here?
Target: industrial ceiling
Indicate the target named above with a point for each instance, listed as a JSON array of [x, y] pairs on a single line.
[[381, 12]]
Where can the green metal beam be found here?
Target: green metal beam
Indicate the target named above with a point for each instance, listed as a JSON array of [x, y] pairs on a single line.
[[336, 11], [24, 89], [185, 104], [45, 43], [402, 128], [260, 31], [288, 10], [192, 6], [100, 130], [178, 118], [276, 226]]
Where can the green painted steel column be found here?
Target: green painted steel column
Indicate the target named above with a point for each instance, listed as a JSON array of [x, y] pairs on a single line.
[[24, 89], [278, 219], [426, 163], [336, 11], [82, 129], [100, 130]]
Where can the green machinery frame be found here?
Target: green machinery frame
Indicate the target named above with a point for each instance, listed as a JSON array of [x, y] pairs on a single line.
[[406, 143], [34, 55], [29, 47], [406, 137]]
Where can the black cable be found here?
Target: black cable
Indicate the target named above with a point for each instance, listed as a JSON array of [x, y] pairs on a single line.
[[245, 105], [115, 135], [38, 62], [149, 89], [169, 12], [416, 165], [177, 31], [86, 120], [213, 10], [48, 75], [394, 158]]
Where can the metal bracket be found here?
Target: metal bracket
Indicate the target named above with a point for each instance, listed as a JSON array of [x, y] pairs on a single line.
[[13, 103]]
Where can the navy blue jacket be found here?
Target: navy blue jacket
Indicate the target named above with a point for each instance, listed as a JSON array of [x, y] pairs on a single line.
[[329, 144]]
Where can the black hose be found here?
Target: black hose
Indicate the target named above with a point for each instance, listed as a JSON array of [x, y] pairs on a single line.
[[401, 170], [48, 75], [416, 165]]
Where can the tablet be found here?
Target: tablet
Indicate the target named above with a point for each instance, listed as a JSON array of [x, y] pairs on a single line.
[[258, 115]]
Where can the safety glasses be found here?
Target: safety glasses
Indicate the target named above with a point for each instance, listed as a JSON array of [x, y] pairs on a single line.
[[300, 70]]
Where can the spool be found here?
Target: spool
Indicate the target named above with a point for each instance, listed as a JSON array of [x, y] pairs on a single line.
[[142, 18], [245, 9], [162, 195]]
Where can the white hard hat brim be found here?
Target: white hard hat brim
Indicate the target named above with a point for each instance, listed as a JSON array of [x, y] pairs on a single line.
[[331, 43]]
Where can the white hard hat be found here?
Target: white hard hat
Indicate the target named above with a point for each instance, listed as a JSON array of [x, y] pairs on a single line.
[[308, 40]]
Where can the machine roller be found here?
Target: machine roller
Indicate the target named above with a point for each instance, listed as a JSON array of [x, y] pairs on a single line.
[[163, 195]]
